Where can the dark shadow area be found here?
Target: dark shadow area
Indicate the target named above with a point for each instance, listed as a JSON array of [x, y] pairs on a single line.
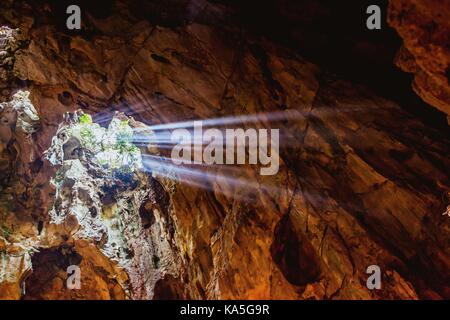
[[49, 264], [169, 288], [294, 255], [333, 35]]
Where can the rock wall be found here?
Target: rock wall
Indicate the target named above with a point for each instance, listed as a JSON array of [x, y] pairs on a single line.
[[361, 180], [425, 29]]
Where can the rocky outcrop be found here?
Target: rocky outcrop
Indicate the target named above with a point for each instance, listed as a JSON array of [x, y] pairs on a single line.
[[362, 182], [425, 29]]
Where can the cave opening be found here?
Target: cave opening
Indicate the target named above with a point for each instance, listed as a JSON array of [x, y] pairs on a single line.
[[99, 183], [351, 164], [111, 148], [107, 152]]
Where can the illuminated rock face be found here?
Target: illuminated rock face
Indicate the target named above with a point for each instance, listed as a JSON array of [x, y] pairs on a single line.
[[361, 181], [101, 195], [425, 29]]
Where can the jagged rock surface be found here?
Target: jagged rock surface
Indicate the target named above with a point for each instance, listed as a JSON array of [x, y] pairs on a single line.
[[361, 181], [425, 29]]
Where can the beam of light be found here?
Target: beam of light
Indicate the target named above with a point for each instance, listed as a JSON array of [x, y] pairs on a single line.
[[164, 141], [243, 188], [232, 120], [196, 176], [159, 136], [242, 181], [104, 117], [264, 117]]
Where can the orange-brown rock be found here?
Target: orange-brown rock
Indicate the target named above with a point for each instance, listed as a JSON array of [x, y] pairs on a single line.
[[425, 29], [362, 181], [101, 279]]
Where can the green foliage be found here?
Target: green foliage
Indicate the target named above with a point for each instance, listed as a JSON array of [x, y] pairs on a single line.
[[124, 135], [6, 231], [123, 144], [85, 119], [87, 136], [112, 147]]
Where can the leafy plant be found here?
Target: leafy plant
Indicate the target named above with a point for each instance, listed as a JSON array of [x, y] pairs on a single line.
[[121, 143], [87, 136], [113, 147], [6, 231], [85, 119]]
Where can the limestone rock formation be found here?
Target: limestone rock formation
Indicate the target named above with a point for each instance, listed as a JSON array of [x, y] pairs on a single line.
[[425, 29], [361, 182]]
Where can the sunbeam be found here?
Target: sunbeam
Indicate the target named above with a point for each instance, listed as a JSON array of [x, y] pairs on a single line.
[[200, 176], [207, 175]]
